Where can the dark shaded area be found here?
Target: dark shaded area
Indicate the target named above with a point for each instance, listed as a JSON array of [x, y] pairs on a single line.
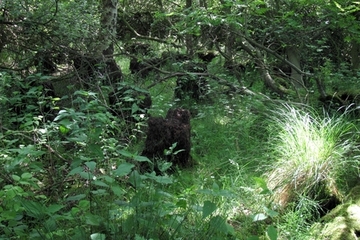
[[138, 48], [89, 68], [144, 67], [342, 103], [234, 66], [174, 57], [129, 102], [329, 204], [193, 85], [45, 61], [206, 56], [163, 133]]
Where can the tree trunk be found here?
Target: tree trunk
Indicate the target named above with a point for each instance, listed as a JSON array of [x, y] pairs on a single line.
[[294, 57], [107, 34], [189, 37]]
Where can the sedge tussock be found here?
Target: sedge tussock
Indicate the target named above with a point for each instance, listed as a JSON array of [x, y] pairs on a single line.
[[310, 151]]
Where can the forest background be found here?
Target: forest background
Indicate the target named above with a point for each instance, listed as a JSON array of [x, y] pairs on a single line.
[[273, 91]]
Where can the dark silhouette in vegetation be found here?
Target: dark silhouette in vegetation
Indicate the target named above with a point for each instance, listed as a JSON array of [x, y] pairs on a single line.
[[89, 68], [130, 103], [145, 67], [139, 21], [174, 57], [342, 103], [46, 61], [234, 66], [139, 48], [163, 133], [194, 84], [206, 56]]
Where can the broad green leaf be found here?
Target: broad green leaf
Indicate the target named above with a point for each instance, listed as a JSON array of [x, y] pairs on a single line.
[[272, 232], [33, 209], [92, 219], [160, 179], [86, 175], [271, 213], [123, 169], [134, 108], [208, 209], [215, 187], [118, 191], [76, 197], [135, 179], [76, 170], [84, 204], [164, 166], [95, 150], [50, 224], [91, 165], [109, 179], [100, 192], [100, 183], [126, 153], [141, 159], [54, 208], [15, 177], [26, 175]]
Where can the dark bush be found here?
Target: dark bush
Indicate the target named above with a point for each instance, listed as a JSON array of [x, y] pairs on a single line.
[[89, 68], [163, 133], [46, 61], [194, 84]]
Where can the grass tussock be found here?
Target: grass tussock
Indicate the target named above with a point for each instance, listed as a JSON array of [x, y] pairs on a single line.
[[311, 152]]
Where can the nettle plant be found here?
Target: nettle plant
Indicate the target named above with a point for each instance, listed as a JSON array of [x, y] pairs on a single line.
[[73, 178]]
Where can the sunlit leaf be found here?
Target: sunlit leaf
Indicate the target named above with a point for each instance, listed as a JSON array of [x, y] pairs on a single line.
[[259, 217], [97, 236]]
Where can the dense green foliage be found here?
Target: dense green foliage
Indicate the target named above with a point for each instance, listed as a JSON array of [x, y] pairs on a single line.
[[272, 87]]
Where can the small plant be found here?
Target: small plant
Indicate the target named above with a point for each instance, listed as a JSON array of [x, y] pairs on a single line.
[[311, 153]]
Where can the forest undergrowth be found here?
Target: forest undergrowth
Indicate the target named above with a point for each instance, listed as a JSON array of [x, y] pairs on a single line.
[[77, 176]]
